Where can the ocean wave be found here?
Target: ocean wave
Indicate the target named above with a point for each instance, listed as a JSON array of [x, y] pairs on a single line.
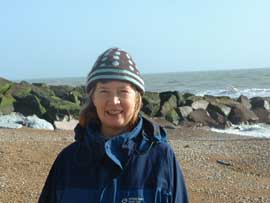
[[234, 92], [255, 130]]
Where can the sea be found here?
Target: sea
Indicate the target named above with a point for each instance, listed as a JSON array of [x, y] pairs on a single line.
[[232, 83]]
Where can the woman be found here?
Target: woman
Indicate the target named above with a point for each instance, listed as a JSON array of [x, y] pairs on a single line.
[[118, 156]]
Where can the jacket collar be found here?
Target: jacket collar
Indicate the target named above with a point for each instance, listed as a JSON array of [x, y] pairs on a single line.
[[140, 139]]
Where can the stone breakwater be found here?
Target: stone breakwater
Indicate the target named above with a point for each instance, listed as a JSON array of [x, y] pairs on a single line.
[[58, 103]]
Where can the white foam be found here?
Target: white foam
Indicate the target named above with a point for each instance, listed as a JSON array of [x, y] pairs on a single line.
[[234, 92], [255, 130]]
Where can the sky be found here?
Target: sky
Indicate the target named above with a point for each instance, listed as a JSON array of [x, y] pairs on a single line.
[[63, 38]]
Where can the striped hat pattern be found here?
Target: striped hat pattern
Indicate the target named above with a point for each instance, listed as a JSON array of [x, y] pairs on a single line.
[[115, 64]]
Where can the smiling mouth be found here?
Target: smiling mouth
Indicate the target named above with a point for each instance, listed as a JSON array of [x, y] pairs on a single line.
[[114, 112]]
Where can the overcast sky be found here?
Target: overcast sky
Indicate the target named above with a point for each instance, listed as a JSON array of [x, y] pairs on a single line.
[[62, 38]]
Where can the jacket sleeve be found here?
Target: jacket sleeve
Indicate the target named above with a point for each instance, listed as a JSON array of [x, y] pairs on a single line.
[[48, 194], [180, 194]]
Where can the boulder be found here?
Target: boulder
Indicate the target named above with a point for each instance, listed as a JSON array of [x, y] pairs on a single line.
[[173, 117], [29, 105], [57, 109], [219, 108], [37, 123], [259, 102], [167, 106], [202, 116], [263, 115], [210, 98], [240, 114], [191, 99], [151, 104], [226, 101], [180, 98], [245, 101], [184, 111], [68, 93], [13, 120], [168, 96], [4, 85], [19, 91], [6, 103], [219, 118], [200, 104]]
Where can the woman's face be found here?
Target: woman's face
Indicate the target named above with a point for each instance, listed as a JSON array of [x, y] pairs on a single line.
[[115, 104]]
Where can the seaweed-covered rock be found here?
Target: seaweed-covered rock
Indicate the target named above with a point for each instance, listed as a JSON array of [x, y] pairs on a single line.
[[167, 106], [4, 85], [29, 105], [6, 104], [172, 116], [58, 109], [20, 91], [150, 103]]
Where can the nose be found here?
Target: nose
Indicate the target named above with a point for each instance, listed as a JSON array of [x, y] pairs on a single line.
[[114, 99]]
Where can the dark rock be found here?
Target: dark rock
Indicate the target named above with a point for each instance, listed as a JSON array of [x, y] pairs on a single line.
[[219, 108], [245, 101], [168, 96], [219, 118], [239, 114], [58, 109], [259, 102], [263, 115], [67, 93], [222, 162], [29, 105], [202, 116]]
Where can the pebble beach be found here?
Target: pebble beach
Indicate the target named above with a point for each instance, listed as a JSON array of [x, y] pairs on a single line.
[[217, 167]]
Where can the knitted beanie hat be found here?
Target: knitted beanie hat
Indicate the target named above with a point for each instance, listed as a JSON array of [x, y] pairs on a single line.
[[115, 64]]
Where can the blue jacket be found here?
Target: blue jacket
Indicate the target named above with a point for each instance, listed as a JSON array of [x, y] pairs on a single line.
[[134, 167]]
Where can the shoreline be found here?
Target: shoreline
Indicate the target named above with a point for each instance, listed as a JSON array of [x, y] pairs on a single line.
[[217, 167]]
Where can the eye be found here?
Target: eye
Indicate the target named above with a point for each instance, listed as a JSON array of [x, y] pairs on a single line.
[[103, 91]]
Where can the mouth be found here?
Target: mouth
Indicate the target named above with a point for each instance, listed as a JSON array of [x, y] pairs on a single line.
[[114, 112]]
